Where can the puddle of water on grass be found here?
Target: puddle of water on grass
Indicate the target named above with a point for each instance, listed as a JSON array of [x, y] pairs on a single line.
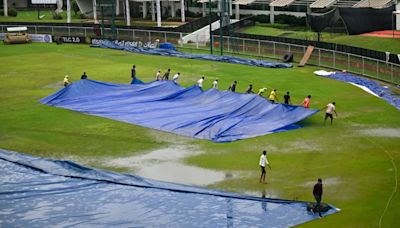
[[326, 182], [265, 193], [166, 165], [382, 132], [56, 85]]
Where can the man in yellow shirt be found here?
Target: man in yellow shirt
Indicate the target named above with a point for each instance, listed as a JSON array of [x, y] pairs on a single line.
[[66, 81], [273, 97]]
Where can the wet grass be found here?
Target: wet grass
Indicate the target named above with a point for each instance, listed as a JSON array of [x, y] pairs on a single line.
[[359, 163]]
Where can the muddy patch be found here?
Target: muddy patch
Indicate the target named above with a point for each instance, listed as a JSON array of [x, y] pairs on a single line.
[[381, 132], [167, 165]]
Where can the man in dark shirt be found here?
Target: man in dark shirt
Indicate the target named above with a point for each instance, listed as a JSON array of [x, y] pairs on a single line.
[[84, 76], [317, 192], [233, 86], [133, 72], [286, 97], [250, 89], [166, 75]]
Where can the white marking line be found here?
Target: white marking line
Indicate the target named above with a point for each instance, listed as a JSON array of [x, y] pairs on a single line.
[[395, 176]]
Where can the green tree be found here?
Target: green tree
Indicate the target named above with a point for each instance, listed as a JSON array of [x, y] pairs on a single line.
[[75, 7]]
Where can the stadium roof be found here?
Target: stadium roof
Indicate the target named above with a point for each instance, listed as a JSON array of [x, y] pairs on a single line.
[[322, 3]]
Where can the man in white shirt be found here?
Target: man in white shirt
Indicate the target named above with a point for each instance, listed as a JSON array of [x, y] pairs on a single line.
[[263, 162], [330, 109], [158, 76], [200, 82], [176, 76], [215, 84]]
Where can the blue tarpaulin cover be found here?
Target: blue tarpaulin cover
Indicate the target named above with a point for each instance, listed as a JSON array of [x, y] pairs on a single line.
[[173, 53], [220, 116], [383, 92], [168, 46], [37, 192]]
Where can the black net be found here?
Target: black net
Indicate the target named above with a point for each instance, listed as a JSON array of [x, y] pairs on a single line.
[[362, 20], [319, 21]]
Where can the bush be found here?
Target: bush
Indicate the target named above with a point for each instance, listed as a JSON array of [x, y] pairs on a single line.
[[260, 18], [81, 16], [75, 7], [12, 12], [188, 14], [57, 16], [281, 19], [290, 20]]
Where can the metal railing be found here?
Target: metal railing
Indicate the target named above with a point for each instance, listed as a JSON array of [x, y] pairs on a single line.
[[373, 68]]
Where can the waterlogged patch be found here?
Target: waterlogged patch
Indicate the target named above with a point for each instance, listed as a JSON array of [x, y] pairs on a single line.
[[382, 132], [265, 193], [298, 146], [167, 165], [327, 182], [55, 85]]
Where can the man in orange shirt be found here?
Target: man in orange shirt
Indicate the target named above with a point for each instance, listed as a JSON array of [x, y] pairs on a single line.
[[306, 102]]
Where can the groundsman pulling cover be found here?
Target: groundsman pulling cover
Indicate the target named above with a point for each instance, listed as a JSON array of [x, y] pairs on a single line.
[[220, 116], [37, 192]]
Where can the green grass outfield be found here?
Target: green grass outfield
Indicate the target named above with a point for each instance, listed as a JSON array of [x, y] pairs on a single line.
[[353, 156], [373, 43]]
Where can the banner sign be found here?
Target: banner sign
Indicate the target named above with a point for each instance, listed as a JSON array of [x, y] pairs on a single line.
[[41, 38], [123, 43], [73, 39], [44, 1]]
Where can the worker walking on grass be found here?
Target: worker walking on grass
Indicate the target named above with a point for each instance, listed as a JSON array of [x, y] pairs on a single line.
[[200, 82], [272, 96], [250, 89], [166, 75], [176, 76], [263, 162], [158, 76], [66, 81], [232, 87], [317, 192], [306, 102], [286, 97], [133, 72], [84, 76], [330, 108], [261, 91], [215, 84]]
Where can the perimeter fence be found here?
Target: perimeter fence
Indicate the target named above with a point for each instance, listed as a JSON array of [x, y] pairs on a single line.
[[253, 48]]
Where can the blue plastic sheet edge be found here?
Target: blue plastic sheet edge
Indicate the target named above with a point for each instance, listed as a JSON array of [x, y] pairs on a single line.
[[375, 87], [70, 169], [172, 53]]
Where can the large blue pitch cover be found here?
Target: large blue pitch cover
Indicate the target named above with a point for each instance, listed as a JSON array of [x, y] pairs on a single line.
[[37, 192], [220, 116]]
